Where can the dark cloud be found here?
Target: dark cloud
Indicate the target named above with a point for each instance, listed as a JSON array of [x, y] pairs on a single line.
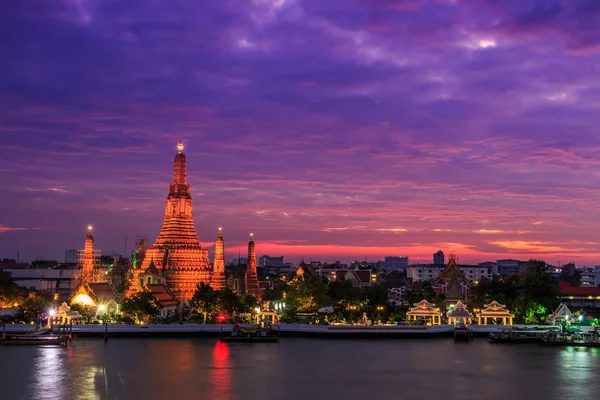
[[355, 127]]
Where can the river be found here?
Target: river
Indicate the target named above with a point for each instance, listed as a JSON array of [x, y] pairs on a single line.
[[297, 369]]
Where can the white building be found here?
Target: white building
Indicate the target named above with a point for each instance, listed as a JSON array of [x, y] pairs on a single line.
[[590, 276], [428, 272]]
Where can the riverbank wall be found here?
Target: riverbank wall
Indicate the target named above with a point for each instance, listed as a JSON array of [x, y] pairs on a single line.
[[284, 330]]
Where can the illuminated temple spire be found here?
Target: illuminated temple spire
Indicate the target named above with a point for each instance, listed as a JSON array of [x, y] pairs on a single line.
[[177, 251], [178, 227], [251, 275], [88, 261], [218, 277]]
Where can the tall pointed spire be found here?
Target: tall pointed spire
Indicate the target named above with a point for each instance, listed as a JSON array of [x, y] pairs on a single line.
[[218, 276], [178, 227], [180, 170], [89, 261], [177, 251], [251, 275]]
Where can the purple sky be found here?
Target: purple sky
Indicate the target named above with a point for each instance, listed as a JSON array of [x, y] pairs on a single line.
[[331, 129]]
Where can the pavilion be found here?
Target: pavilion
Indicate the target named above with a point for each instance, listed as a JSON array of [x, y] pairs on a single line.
[[427, 311], [492, 312], [459, 315], [64, 315], [562, 312]]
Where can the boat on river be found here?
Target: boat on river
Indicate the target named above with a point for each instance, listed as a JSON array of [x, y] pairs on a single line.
[[252, 334], [43, 340], [573, 338], [520, 335]]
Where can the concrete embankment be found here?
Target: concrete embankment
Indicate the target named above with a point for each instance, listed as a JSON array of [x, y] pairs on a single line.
[[285, 330], [215, 330]]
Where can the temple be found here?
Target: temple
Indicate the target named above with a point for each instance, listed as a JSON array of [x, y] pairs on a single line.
[[459, 315], [218, 276], [251, 274], [452, 283], [88, 260], [495, 313], [426, 312], [177, 253]]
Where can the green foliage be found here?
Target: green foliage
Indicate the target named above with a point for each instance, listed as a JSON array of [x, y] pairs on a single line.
[[205, 299], [274, 294], [306, 293], [426, 291], [229, 301], [83, 310], [529, 296], [36, 303], [344, 292], [376, 295], [142, 306], [9, 291]]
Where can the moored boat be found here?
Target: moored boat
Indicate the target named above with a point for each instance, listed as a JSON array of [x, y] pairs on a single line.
[[573, 338], [251, 335], [520, 335], [44, 340]]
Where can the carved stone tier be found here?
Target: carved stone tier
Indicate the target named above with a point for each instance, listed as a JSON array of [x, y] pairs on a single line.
[[251, 275], [218, 281], [177, 252]]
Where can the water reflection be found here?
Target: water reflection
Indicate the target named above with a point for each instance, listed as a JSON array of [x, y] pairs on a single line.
[[49, 373], [220, 373], [297, 369]]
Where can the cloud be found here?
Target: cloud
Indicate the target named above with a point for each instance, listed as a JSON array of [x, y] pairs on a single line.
[[367, 126]]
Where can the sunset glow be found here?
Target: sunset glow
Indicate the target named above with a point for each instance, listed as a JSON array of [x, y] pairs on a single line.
[[352, 131]]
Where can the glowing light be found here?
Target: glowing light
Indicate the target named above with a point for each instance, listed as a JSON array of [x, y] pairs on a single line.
[[180, 147], [51, 312], [257, 309], [101, 307], [251, 234], [84, 299], [90, 228]]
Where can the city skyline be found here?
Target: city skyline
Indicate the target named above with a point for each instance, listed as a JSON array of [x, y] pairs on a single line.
[[362, 130]]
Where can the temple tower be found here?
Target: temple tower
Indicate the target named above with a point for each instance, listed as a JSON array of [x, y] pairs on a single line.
[[177, 251], [251, 275], [88, 259], [218, 276]]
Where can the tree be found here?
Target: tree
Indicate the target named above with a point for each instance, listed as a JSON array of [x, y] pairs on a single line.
[[306, 293], [538, 293], [376, 295], [141, 305], [428, 291], [344, 292], [36, 303], [274, 294], [83, 310], [9, 291], [228, 301], [205, 300]]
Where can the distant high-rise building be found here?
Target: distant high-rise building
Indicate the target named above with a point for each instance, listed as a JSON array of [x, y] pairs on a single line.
[[268, 261], [396, 263], [438, 258], [71, 256]]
